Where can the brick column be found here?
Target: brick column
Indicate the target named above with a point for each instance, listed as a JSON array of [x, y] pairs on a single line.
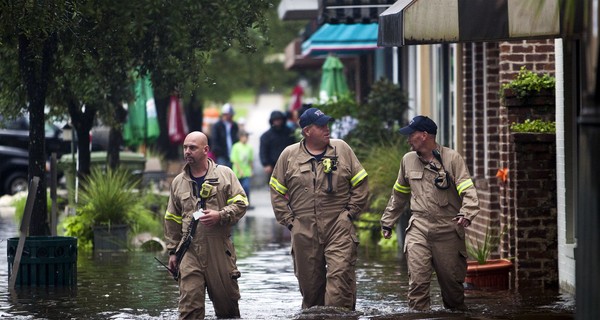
[[533, 197]]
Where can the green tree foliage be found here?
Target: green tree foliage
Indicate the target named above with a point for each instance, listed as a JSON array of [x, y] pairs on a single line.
[[261, 70], [378, 119], [78, 55]]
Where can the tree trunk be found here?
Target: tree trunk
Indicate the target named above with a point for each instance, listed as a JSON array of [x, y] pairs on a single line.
[[82, 122], [115, 136], [36, 74]]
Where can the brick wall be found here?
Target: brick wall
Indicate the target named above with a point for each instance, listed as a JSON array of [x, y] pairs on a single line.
[[482, 129], [489, 146]]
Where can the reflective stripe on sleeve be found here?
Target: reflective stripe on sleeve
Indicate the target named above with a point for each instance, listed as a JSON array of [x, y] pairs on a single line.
[[360, 176], [172, 217], [463, 186], [400, 188], [238, 197], [278, 186]]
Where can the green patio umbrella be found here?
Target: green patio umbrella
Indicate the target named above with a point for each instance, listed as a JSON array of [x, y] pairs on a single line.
[[142, 124], [333, 81]]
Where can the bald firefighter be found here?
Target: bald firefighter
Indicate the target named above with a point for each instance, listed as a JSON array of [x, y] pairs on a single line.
[[205, 200], [318, 187], [435, 182]]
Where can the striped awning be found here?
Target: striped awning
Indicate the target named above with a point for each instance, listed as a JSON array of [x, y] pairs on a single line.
[[341, 39], [442, 21]]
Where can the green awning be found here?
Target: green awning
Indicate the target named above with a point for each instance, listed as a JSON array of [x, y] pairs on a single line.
[[341, 39]]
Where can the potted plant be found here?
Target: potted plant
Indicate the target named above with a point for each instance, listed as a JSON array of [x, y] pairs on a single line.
[[482, 271], [109, 206], [527, 84]]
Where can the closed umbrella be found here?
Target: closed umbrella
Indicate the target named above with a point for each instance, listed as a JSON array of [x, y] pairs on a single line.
[[142, 123], [296, 99], [177, 125], [333, 81], [333, 88]]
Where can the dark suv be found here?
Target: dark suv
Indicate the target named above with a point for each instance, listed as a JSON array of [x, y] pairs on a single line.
[[14, 152]]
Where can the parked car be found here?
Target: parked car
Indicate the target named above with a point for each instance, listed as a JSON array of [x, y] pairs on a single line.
[[14, 152], [15, 133], [13, 170]]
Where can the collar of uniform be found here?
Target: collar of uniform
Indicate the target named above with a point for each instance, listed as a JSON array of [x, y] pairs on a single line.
[[210, 172], [305, 156]]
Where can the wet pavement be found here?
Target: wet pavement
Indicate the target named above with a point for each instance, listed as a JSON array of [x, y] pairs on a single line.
[[133, 285]]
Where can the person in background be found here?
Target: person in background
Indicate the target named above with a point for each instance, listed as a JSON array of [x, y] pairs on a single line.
[[242, 157], [291, 120], [274, 140], [435, 182], [211, 198], [224, 134], [318, 188]]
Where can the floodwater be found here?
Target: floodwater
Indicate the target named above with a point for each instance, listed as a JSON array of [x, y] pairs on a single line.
[[133, 285]]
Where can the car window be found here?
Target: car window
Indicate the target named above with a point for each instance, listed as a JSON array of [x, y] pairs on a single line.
[[22, 123], [15, 124]]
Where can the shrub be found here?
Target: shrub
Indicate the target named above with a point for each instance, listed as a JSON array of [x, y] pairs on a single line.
[[536, 125], [528, 82], [382, 162], [109, 198]]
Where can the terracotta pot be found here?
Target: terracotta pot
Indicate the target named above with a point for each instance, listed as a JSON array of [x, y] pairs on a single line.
[[492, 275]]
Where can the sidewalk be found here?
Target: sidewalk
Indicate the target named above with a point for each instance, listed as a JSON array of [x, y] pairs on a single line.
[[257, 123]]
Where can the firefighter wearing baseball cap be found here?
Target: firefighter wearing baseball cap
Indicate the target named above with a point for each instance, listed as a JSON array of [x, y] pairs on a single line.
[[435, 182], [318, 187]]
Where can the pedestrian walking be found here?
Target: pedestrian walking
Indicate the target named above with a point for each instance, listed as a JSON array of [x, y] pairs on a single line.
[[205, 200], [242, 158], [318, 187], [274, 140], [223, 135], [435, 182]]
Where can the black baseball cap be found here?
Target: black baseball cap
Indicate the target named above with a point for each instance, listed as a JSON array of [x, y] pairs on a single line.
[[420, 123], [314, 116]]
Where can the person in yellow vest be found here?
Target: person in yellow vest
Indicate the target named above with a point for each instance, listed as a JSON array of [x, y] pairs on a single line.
[[318, 187], [435, 182], [205, 200]]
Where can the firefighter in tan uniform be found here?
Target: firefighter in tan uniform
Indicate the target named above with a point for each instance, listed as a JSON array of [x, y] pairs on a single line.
[[214, 193], [435, 182], [318, 187]]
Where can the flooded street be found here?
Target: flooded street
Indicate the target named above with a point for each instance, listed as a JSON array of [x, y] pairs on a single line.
[[133, 285]]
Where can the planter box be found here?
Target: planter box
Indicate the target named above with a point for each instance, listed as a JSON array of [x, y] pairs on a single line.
[[113, 238], [492, 275], [46, 261]]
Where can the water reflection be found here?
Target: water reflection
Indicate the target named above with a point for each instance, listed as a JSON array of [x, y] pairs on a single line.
[[134, 286]]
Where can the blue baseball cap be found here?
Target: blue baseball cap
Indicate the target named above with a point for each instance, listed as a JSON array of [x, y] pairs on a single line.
[[420, 123], [314, 116]]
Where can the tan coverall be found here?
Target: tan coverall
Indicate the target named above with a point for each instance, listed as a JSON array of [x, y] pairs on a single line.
[[319, 211], [433, 240], [210, 262]]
